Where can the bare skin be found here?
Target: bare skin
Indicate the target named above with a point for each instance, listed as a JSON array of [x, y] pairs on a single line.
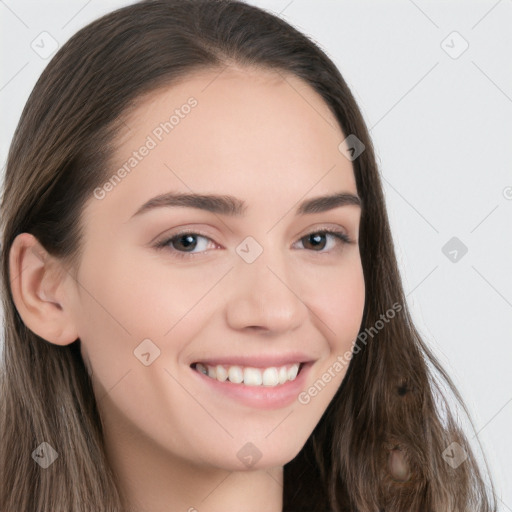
[[173, 441]]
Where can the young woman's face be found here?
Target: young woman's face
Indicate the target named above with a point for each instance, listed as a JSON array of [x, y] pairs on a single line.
[[262, 288]]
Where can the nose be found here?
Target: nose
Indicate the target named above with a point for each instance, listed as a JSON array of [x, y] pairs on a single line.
[[265, 295]]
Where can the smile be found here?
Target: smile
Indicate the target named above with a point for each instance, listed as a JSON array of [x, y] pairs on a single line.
[[250, 376]]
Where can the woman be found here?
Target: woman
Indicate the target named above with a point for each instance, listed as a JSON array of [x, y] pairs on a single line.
[[270, 369]]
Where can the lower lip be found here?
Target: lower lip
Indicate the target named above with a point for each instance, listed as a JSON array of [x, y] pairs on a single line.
[[260, 397]]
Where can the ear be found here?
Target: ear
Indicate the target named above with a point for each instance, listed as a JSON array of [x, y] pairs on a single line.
[[38, 284]]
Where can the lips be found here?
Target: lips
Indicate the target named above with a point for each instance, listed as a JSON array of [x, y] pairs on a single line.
[[252, 394]]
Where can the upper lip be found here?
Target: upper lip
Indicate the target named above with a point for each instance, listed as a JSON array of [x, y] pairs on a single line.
[[257, 361]]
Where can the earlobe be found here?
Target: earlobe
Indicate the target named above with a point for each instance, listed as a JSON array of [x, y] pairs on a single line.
[[37, 284]]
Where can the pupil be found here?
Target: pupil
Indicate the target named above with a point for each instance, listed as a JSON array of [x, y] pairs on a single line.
[[188, 243], [316, 237]]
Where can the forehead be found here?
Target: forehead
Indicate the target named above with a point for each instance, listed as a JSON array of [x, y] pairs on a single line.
[[251, 133]]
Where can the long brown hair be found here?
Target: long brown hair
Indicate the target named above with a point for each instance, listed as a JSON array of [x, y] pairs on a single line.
[[392, 397]]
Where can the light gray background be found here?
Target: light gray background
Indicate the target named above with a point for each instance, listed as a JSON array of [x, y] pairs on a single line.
[[442, 127]]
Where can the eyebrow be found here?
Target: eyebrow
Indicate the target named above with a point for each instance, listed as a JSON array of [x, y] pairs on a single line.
[[232, 206]]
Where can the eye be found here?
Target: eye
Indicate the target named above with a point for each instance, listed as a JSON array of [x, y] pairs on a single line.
[[186, 240], [185, 243], [315, 238]]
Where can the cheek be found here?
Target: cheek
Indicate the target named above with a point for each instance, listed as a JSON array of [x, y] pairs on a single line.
[[125, 299], [115, 313], [336, 295], [338, 306], [136, 297]]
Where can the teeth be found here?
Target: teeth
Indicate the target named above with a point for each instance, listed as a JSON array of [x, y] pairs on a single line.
[[270, 377], [250, 376], [235, 374], [202, 368], [222, 373], [292, 372]]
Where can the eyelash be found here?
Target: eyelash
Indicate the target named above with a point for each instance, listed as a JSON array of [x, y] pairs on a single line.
[[342, 237]]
